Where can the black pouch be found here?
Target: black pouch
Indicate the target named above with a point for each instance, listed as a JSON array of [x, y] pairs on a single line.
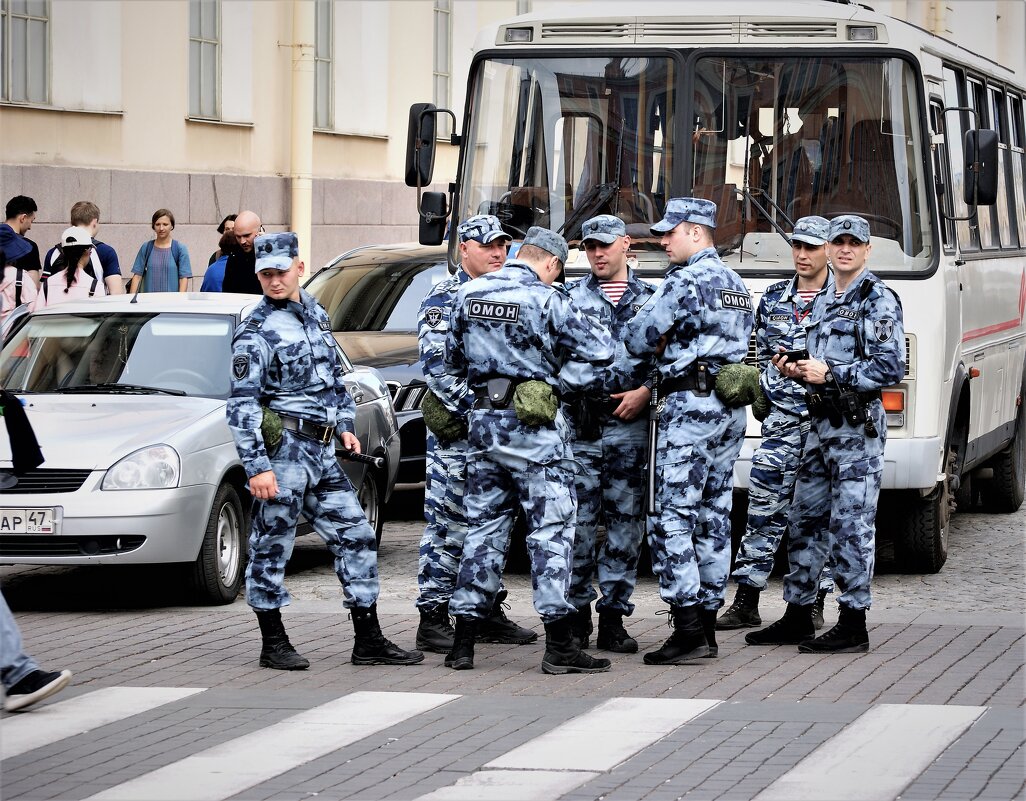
[[833, 413], [852, 408], [500, 392], [703, 380]]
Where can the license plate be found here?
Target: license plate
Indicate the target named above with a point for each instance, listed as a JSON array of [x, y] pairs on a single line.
[[27, 521]]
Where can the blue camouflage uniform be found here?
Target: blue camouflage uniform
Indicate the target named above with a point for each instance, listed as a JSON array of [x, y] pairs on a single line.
[[441, 546], [610, 482], [860, 336], [781, 322], [511, 324], [285, 357], [705, 311]]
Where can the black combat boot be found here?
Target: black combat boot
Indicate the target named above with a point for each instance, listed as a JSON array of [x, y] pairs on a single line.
[[461, 657], [794, 627], [499, 628], [580, 626], [562, 654], [708, 618], [277, 652], [687, 644], [849, 636], [744, 612], [371, 646], [817, 610], [612, 636], [435, 632]]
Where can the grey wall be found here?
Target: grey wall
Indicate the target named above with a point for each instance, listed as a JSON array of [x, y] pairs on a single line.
[[346, 213]]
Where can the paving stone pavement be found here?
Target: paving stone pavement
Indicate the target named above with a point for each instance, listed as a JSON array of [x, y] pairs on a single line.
[[954, 640]]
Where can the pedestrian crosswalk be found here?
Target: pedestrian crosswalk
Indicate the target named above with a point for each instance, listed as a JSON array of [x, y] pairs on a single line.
[[874, 757]]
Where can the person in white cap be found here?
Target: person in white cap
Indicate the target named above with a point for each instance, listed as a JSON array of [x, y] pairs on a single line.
[[74, 277]]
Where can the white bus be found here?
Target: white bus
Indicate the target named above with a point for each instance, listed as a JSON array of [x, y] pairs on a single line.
[[776, 111]]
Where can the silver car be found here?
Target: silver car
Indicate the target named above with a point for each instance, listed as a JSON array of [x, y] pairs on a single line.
[[127, 399]]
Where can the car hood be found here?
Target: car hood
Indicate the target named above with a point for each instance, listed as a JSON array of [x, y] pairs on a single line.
[[95, 431]]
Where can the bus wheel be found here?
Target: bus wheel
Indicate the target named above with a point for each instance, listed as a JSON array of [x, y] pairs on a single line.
[[922, 543], [1004, 492]]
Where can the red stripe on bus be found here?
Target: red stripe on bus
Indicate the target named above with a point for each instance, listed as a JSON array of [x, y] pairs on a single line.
[[993, 329]]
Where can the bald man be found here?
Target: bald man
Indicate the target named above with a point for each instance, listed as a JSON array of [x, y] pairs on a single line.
[[240, 269]]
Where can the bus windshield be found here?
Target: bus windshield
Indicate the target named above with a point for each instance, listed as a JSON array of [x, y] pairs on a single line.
[[555, 140]]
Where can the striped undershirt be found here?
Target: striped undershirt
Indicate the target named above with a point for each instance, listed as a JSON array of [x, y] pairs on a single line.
[[807, 294], [613, 290]]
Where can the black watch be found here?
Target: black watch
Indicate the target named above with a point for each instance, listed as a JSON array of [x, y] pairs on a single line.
[[828, 377]]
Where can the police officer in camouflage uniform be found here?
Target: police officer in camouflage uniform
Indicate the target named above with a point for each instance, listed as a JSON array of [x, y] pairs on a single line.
[[482, 246], [610, 444], [857, 347], [285, 359], [698, 321], [784, 312], [510, 334]]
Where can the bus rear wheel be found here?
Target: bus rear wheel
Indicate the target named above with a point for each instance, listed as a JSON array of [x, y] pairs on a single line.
[[1004, 492]]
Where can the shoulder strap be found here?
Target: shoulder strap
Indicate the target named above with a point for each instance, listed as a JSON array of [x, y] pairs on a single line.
[[148, 247], [92, 288], [17, 287], [46, 288]]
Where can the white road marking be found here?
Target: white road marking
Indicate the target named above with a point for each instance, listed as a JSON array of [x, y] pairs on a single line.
[[577, 751], [50, 723], [246, 761], [876, 756]]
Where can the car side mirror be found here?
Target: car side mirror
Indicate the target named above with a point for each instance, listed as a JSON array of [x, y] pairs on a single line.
[[981, 167], [433, 215]]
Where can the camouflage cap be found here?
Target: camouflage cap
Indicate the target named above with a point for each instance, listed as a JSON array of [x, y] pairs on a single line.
[[605, 229], [811, 230], [686, 209], [547, 240], [850, 224], [483, 228], [276, 251]]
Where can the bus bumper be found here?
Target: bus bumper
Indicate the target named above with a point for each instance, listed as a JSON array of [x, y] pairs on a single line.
[[908, 463]]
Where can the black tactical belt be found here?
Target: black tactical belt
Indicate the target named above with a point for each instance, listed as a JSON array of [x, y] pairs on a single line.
[[699, 380], [864, 397], [305, 428]]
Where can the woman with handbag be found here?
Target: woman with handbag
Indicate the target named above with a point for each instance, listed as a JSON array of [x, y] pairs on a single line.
[[162, 264]]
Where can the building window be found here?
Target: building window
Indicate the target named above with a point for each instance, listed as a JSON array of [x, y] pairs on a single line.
[[324, 91], [523, 7], [205, 59], [25, 47], [443, 62]]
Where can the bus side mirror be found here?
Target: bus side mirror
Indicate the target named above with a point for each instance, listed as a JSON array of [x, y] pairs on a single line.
[[420, 144], [981, 167], [433, 215]]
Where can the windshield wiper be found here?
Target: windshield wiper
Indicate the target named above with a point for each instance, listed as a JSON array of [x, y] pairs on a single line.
[[113, 387]]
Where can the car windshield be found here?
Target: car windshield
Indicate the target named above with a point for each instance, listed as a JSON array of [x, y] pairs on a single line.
[[163, 353], [375, 297]]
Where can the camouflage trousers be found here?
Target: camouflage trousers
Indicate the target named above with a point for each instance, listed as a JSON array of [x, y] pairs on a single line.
[[441, 546], [610, 486], [510, 464], [770, 487], [699, 441], [834, 511], [310, 482]]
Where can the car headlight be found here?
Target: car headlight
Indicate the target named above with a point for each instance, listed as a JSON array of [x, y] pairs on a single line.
[[156, 467]]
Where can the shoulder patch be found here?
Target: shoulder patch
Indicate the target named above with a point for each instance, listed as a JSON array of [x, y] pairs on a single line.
[[780, 318], [240, 366], [324, 325], [433, 316], [498, 311], [849, 314], [778, 286], [739, 301], [883, 329]]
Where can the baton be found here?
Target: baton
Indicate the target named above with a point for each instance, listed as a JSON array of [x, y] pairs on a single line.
[[362, 458], [653, 437]]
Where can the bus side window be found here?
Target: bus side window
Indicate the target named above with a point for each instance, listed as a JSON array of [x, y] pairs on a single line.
[[1017, 157]]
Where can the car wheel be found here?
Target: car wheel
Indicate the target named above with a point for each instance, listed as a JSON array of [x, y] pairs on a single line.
[[371, 503], [218, 572]]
